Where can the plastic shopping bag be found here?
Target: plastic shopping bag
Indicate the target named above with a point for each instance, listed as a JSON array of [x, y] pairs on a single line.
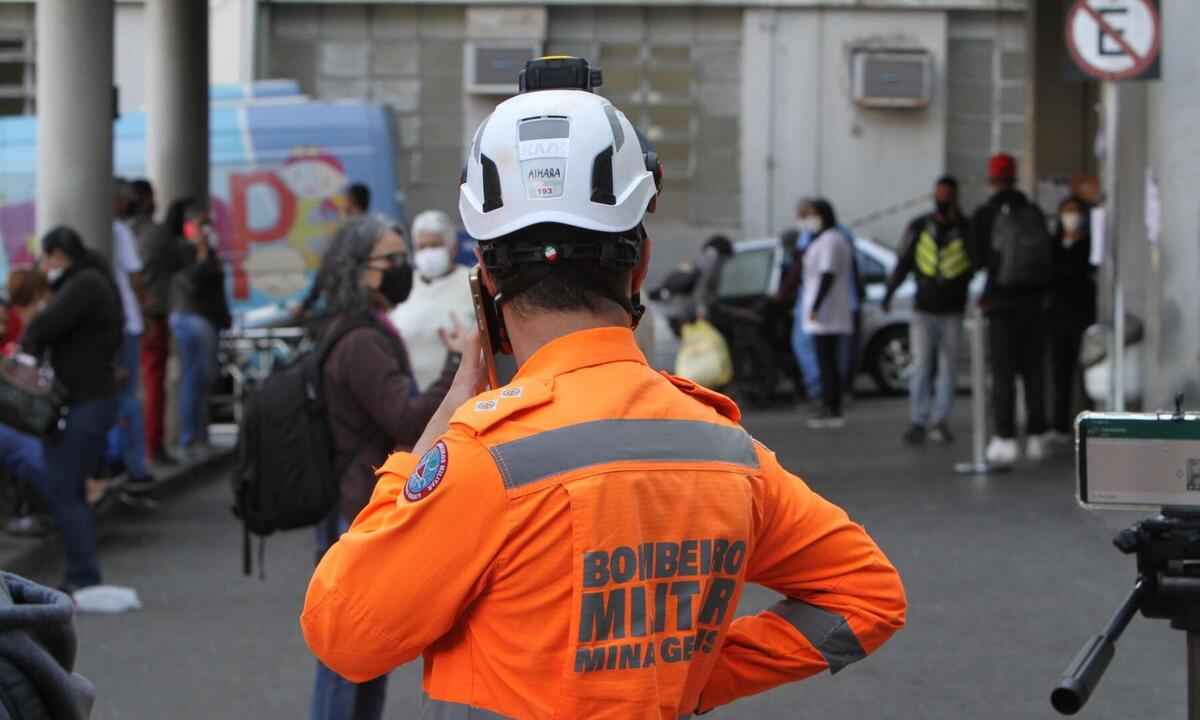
[[704, 356]]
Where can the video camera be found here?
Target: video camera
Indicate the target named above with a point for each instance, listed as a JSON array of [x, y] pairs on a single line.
[[558, 72], [1131, 461]]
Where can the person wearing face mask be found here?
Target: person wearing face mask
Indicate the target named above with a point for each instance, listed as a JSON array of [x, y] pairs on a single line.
[[936, 248], [372, 403], [441, 295], [81, 329], [199, 311], [809, 227], [1073, 307]]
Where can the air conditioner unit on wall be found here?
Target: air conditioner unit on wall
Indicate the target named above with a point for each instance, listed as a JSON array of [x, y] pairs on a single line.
[[892, 78], [491, 68]]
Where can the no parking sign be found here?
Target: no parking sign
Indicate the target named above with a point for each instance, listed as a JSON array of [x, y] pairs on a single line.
[[1115, 39]]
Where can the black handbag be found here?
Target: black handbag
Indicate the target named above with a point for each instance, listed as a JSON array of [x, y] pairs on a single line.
[[31, 399]]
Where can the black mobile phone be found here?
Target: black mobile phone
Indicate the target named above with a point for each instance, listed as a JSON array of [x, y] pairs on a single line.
[[488, 324]]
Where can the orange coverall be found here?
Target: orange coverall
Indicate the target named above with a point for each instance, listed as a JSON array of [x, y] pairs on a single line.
[[576, 544]]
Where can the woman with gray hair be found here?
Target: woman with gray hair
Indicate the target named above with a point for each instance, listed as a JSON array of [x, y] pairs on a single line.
[[441, 294], [372, 402]]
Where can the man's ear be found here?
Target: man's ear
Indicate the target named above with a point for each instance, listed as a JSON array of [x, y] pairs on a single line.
[[489, 282], [643, 267]]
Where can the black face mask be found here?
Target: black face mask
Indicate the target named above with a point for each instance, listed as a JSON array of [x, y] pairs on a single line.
[[397, 283], [944, 208]]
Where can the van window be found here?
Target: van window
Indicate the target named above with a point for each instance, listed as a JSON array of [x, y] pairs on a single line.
[[747, 273]]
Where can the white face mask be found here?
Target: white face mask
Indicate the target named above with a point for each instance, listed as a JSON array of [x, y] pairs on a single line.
[[53, 274], [812, 223], [1071, 221], [432, 262]]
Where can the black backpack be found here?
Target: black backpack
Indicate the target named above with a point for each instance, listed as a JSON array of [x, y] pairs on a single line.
[[1020, 238], [285, 476]]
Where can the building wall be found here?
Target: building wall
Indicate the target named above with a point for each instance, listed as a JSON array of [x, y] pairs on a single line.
[[1175, 349], [803, 135], [407, 57], [986, 96], [676, 73]]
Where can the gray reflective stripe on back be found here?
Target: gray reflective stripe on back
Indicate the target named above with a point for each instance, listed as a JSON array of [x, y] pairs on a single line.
[[829, 632], [553, 452], [442, 710]]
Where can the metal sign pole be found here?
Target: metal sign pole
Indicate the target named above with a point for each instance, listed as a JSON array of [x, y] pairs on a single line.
[[1116, 365], [976, 327]]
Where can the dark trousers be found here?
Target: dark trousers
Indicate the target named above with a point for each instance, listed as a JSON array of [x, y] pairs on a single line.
[[334, 697], [1017, 334], [156, 346], [1066, 339], [829, 351], [70, 457]]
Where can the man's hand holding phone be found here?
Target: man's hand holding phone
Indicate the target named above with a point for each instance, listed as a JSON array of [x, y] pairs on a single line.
[[468, 382]]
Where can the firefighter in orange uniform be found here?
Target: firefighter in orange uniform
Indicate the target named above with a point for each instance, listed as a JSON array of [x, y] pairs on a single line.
[[574, 544]]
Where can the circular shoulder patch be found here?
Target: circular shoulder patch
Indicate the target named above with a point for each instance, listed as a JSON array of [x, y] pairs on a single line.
[[429, 473]]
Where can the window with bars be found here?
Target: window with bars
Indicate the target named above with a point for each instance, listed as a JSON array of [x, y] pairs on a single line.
[[985, 80], [16, 76]]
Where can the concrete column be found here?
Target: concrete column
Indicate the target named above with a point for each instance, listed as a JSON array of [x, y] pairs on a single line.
[[177, 98], [75, 116], [1175, 343]]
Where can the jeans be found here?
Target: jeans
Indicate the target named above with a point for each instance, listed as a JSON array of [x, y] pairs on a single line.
[[806, 358], [334, 697], [829, 350], [1017, 338], [156, 347], [130, 428], [196, 339], [933, 336], [23, 459], [70, 458]]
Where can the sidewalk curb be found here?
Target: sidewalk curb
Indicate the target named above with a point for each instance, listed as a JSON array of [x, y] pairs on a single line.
[[28, 556]]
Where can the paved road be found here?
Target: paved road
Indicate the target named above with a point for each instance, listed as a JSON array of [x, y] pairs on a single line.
[[1006, 579]]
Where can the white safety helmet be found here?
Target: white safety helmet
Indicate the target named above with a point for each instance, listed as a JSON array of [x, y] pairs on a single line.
[[556, 156]]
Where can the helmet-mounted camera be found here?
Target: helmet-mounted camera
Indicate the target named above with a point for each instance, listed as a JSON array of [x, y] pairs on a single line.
[[558, 72]]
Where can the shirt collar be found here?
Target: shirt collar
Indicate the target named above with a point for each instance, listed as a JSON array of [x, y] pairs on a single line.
[[585, 348]]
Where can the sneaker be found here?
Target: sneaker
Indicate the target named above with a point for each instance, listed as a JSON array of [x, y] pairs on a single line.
[[941, 434], [1002, 452], [915, 435], [826, 420], [31, 526], [1035, 448]]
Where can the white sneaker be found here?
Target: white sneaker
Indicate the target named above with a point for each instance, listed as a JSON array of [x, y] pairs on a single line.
[[1001, 452], [1035, 448]]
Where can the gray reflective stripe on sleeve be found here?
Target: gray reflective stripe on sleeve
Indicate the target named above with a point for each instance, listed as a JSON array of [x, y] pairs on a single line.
[[444, 710], [829, 632], [554, 452]]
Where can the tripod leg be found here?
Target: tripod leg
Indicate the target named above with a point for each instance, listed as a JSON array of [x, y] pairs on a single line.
[[1193, 670]]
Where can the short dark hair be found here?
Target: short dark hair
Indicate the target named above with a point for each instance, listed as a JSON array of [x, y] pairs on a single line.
[[568, 285], [721, 244], [360, 196], [825, 211], [949, 181]]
